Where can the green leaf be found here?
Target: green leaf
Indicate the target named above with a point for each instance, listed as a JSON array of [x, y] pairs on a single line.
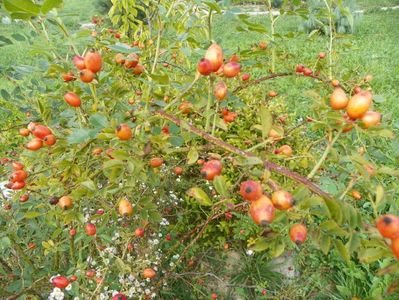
[[5, 95], [5, 242], [260, 244], [121, 266], [89, 184], [120, 154], [334, 209], [342, 250], [249, 161], [4, 41], [277, 250], [192, 156], [388, 171], [113, 163], [370, 255], [80, 136], [213, 6], [18, 37], [49, 5], [354, 242], [160, 78], [266, 121], [123, 48], [325, 243], [220, 185], [200, 196], [176, 141], [98, 121], [32, 214], [379, 194], [22, 6], [332, 228]]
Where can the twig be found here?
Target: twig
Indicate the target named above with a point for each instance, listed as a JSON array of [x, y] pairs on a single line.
[[324, 156], [271, 76], [24, 291], [214, 276]]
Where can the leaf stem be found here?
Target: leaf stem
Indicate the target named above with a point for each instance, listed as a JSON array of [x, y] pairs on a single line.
[[324, 156], [209, 104], [330, 42]]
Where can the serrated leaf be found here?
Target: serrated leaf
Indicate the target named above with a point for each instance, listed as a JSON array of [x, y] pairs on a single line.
[[354, 242], [18, 37], [249, 161], [220, 185], [370, 255], [89, 184], [277, 250], [32, 214], [192, 156], [379, 194], [325, 243], [176, 141], [342, 250], [22, 6], [113, 163], [160, 78], [389, 171], [49, 5], [120, 154], [98, 121], [260, 244], [335, 209], [80, 136], [266, 120], [4, 41], [5, 242], [122, 267], [123, 48], [200, 196], [5, 95], [332, 228]]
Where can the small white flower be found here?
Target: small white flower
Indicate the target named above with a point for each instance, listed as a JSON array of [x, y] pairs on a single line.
[[68, 287], [249, 252]]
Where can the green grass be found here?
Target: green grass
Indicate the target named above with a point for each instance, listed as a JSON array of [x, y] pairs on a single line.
[[369, 4], [73, 14], [371, 50]]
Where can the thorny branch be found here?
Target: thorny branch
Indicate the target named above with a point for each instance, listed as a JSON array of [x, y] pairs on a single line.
[[267, 164]]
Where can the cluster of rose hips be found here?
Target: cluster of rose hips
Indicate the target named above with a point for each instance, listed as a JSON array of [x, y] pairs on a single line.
[[356, 107], [42, 136], [262, 208], [130, 62], [388, 226], [88, 66], [213, 62], [17, 179]]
